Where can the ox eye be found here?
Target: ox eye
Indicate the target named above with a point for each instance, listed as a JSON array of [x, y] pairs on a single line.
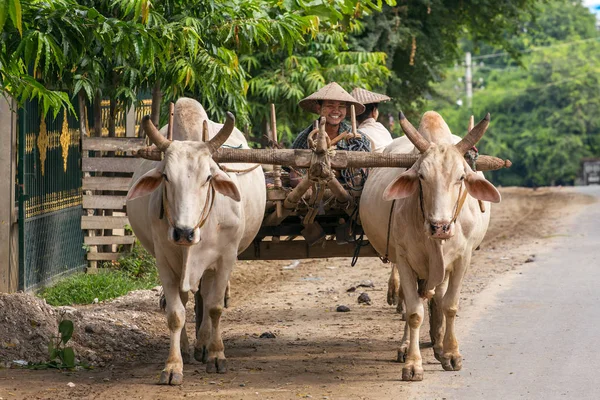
[[462, 178], [208, 178], [166, 177], [421, 177]]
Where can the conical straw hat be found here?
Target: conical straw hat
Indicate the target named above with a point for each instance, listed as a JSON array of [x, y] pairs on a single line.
[[366, 97], [332, 91]]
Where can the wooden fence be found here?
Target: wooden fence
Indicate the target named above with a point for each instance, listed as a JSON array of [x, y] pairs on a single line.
[[105, 225], [108, 166]]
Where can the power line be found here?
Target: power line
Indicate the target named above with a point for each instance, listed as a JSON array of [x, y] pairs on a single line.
[[536, 48]]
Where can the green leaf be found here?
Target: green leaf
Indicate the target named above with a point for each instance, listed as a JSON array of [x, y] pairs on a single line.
[[68, 357], [53, 354], [66, 330], [14, 9], [3, 13]]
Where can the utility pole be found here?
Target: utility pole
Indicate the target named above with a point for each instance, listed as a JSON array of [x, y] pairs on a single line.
[[469, 80]]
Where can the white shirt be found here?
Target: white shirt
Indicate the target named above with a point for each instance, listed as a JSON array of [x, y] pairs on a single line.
[[379, 135]]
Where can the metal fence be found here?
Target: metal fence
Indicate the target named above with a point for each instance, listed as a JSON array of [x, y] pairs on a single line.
[[50, 196], [49, 188]]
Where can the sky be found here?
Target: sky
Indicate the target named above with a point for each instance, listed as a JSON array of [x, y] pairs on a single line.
[[593, 5]]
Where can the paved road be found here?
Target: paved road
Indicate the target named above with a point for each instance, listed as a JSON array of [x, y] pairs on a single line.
[[537, 331]]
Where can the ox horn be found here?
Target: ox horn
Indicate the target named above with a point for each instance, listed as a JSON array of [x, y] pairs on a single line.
[[155, 137], [412, 134], [215, 143], [474, 135]]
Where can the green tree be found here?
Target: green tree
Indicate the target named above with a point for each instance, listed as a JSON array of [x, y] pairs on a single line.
[[544, 113], [421, 38]]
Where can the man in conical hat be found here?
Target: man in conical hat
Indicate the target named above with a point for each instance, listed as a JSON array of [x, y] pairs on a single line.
[[378, 134], [333, 103]]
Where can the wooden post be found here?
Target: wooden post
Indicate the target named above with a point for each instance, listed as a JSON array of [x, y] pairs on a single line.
[[353, 119], [171, 116], [205, 135], [469, 128], [9, 238], [130, 122], [276, 168]]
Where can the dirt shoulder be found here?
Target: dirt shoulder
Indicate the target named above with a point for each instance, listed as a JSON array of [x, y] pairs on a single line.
[[317, 352]]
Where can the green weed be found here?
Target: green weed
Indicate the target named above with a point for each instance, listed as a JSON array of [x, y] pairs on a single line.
[[60, 356], [133, 271]]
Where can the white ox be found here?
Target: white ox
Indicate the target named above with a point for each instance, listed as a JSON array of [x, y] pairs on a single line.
[[195, 219], [433, 233]]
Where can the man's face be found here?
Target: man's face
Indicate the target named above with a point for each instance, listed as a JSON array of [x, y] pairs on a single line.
[[333, 111]]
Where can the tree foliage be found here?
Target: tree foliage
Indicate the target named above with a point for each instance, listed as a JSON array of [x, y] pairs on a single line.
[[210, 50], [421, 38], [544, 114]]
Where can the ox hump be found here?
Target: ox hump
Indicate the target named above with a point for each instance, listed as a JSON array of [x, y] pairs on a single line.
[[434, 128]]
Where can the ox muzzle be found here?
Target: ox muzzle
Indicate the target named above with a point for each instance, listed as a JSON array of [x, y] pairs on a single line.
[[184, 236], [440, 230]]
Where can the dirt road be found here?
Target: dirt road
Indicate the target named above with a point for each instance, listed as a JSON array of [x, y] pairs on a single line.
[[317, 352]]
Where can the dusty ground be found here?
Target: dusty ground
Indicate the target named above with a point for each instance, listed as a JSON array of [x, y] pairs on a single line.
[[317, 352]]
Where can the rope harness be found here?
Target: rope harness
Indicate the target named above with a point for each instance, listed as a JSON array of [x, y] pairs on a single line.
[[208, 205], [462, 196], [385, 259], [238, 171]]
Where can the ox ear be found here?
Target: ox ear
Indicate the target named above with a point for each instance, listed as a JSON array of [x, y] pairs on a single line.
[[403, 186], [481, 188], [224, 185], [146, 184]]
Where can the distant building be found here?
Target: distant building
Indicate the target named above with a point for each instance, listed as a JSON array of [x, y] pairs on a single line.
[[590, 171]]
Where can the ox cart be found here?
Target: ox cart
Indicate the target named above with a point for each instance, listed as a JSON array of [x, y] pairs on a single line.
[[316, 215]]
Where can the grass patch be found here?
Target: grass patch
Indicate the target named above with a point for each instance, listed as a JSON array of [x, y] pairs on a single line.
[[133, 271]]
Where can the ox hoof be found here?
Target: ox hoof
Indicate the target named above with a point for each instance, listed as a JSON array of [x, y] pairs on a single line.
[[201, 355], [402, 353], [412, 373], [438, 354], [216, 365], [451, 362], [185, 356], [392, 297], [170, 378]]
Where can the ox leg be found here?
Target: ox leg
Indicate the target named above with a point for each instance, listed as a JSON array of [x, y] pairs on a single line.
[[172, 374], [437, 324], [205, 327], [393, 287], [227, 294], [394, 294], [185, 344], [451, 357], [200, 353], [404, 344], [214, 302], [413, 367]]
